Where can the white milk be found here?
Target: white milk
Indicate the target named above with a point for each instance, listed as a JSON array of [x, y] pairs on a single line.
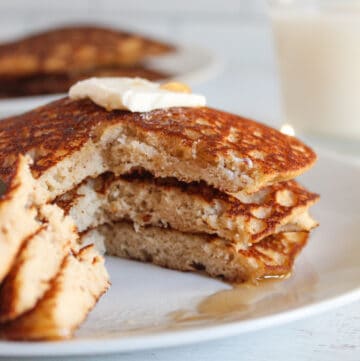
[[319, 62]]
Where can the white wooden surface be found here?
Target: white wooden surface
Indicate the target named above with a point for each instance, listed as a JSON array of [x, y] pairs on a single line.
[[238, 31]]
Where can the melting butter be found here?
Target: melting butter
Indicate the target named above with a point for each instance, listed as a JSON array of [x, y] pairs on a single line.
[[135, 94]]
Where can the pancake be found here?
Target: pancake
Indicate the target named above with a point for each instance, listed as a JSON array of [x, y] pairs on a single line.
[[37, 263], [18, 214], [71, 140], [273, 256], [61, 82], [76, 48], [40, 260], [190, 207], [74, 291]]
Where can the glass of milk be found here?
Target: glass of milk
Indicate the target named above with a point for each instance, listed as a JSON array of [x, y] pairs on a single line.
[[318, 50]]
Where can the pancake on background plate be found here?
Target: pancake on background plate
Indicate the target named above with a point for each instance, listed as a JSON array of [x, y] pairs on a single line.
[[51, 61]]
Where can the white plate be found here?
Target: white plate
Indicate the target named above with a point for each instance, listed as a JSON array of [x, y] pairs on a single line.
[[134, 314], [189, 64]]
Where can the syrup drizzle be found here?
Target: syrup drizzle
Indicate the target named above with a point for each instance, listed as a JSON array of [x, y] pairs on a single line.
[[240, 300]]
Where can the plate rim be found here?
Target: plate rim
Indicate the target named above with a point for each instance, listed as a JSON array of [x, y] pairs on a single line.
[[161, 340]]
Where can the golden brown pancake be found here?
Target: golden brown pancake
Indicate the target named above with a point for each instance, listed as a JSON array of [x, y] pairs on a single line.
[[39, 263], [72, 140], [80, 282], [36, 263], [17, 203], [74, 49]]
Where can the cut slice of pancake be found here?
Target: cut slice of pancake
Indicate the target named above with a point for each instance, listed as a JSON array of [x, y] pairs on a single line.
[[73, 293], [75, 48], [37, 262], [18, 214], [190, 207], [273, 256], [38, 268], [71, 140], [60, 83]]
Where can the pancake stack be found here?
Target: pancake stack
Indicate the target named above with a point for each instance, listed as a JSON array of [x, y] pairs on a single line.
[[193, 189], [51, 61], [188, 188]]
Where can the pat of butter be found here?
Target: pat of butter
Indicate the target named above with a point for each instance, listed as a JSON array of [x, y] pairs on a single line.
[[134, 94]]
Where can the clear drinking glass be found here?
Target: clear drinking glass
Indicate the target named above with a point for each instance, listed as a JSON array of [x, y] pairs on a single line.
[[318, 52]]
